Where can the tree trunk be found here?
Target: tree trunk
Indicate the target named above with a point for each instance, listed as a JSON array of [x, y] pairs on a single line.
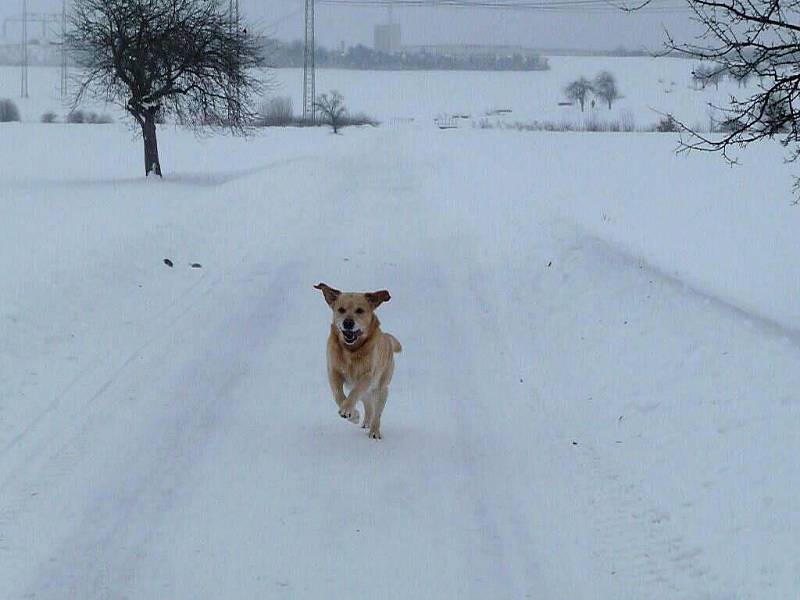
[[609, 104], [151, 162], [582, 102]]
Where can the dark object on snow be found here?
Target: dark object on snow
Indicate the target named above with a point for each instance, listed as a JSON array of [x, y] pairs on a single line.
[[550, 264], [168, 262], [197, 266]]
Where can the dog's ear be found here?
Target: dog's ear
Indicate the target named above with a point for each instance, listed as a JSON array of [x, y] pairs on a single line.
[[330, 294], [375, 299]]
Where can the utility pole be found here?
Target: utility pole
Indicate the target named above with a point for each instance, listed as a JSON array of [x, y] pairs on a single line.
[[64, 48], [24, 51], [309, 84]]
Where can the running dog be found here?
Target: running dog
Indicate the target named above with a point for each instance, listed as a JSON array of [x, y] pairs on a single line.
[[360, 355]]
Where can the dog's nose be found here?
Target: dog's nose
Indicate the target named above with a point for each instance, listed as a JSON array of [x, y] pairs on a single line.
[[348, 324]]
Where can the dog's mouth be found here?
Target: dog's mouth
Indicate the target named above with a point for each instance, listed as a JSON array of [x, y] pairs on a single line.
[[351, 335]]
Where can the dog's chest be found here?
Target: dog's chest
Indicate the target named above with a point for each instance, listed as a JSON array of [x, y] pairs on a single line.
[[354, 368]]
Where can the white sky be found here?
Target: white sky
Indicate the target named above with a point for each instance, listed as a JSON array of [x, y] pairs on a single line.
[[430, 26]]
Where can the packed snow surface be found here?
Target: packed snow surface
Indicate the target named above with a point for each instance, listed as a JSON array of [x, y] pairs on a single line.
[[598, 395]]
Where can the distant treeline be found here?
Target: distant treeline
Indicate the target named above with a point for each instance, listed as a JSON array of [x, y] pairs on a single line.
[[290, 54], [283, 54]]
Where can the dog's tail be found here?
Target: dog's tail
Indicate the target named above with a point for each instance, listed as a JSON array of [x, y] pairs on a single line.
[[396, 347]]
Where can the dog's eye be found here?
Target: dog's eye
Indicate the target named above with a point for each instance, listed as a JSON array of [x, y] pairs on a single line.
[[341, 311], [359, 311]]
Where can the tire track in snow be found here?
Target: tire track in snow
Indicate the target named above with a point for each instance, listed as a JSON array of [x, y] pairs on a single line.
[[49, 446], [503, 563], [633, 544], [120, 487], [160, 325], [497, 546]]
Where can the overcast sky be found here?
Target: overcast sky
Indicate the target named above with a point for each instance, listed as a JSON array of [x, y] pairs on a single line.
[[334, 24]]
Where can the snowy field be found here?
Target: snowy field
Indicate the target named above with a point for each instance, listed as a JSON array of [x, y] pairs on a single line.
[[598, 397], [650, 87]]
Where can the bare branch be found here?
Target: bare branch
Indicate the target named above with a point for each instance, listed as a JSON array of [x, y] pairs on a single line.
[[747, 40]]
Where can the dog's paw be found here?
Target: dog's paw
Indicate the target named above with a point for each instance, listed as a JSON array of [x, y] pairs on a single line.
[[351, 414], [375, 434]]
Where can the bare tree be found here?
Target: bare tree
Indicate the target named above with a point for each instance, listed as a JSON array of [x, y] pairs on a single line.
[[578, 91], [188, 59], [706, 75], [741, 77], [751, 38], [605, 87], [332, 109], [8, 111]]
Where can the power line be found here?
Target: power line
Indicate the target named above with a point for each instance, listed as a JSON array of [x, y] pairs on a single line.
[[285, 17], [571, 6]]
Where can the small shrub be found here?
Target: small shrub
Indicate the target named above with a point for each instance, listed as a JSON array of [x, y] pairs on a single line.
[[76, 117], [49, 117], [96, 119], [276, 112], [592, 124], [358, 119], [92, 118], [729, 126], [595, 125], [628, 121], [561, 126], [8, 111], [667, 125]]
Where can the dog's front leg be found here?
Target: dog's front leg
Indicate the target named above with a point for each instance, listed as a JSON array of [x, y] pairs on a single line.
[[347, 409], [336, 382]]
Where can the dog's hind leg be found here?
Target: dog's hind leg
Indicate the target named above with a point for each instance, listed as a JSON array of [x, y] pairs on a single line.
[[369, 404], [381, 395]]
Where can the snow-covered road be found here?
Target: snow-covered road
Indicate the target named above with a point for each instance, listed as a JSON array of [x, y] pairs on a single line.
[[565, 421]]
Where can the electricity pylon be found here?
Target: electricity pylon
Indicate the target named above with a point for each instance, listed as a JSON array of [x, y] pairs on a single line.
[[308, 65]]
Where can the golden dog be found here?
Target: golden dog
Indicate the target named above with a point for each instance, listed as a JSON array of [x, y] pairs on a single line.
[[360, 355]]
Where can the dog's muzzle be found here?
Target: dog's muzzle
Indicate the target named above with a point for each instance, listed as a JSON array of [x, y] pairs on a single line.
[[350, 335]]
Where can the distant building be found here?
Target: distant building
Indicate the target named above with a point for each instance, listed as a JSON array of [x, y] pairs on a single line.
[[387, 37]]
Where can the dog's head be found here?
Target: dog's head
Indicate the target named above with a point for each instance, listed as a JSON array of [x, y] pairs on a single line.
[[353, 313]]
